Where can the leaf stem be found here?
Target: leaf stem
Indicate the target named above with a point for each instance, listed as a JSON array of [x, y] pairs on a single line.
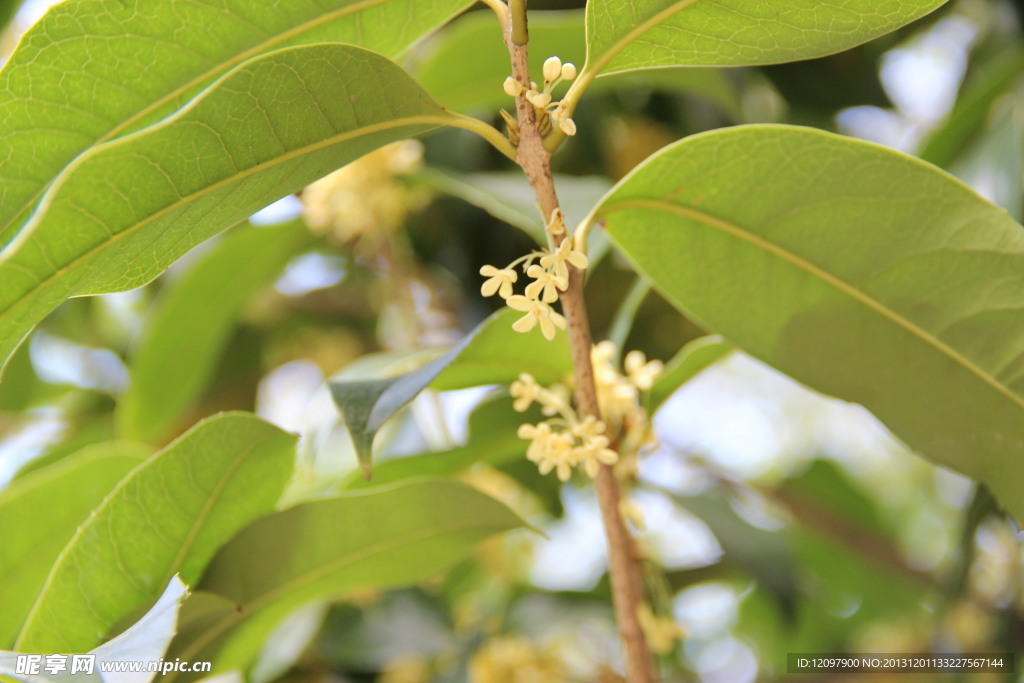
[[624, 567], [500, 8], [487, 132]]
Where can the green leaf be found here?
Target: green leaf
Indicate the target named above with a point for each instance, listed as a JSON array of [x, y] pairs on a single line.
[[39, 514], [972, 108], [858, 271], [148, 638], [188, 326], [467, 62], [493, 353], [8, 8], [20, 383], [145, 641], [92, 70], [366, 404], [691, 360], [509, 197], [379, 538], [169, 517], [996, 159], [644, 34], [765, 555], [125, 210], [492, 439], [497, 354]]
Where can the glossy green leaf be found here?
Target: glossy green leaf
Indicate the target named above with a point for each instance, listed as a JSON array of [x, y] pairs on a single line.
[[859, 271], [379, 538], [39, 514], [188, 326], [169, 517], [468, 61], [692, 359], [92, 70], [642, 34], [125, 210]]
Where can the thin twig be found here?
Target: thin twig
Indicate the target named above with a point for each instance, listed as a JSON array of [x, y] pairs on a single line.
[[624, 567]]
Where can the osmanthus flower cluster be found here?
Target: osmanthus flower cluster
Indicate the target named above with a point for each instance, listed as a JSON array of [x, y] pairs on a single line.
[[365, 201], [565, 441], [554, 73], [549, 270]]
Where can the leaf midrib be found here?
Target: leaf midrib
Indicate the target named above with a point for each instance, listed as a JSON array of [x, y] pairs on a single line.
[[825, 276], [245, 173], [206, 75], [640, 29]]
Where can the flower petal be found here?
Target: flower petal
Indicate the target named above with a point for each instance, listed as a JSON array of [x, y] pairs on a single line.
[[525, 324]]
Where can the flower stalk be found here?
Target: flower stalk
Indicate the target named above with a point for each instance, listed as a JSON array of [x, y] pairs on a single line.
[[624, 566]]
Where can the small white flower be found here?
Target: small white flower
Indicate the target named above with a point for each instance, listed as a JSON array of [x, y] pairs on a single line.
[[568, 71], [557, 260], [498, 280], [536, 312], [545, 285]]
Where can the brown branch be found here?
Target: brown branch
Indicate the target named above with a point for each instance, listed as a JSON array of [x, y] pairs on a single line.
[[623, 560]]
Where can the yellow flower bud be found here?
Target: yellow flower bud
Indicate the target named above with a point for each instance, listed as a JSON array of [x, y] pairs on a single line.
[[568, 71], [512, 87], [552, 68]]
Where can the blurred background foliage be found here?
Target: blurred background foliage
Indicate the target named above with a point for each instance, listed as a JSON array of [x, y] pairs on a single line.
[[773, 520]]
